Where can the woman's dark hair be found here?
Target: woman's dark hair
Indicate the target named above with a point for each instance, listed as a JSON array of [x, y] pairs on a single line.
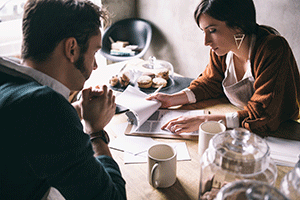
[[236, 13], [48, 22]]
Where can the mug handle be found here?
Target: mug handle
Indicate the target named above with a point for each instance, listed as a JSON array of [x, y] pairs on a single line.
[[221, 122], [153, 182]]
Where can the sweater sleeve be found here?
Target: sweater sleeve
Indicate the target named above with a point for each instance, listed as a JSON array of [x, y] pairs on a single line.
[[209, 83], [62, 154], [276, 87]]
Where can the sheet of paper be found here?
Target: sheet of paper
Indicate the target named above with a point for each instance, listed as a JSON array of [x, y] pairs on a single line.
[[284, 152], [181, 149], [135, 147], [117, 129], [135, 100], [132, 144]]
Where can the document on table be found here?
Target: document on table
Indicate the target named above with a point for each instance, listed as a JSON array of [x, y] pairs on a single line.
[[180, 148], [140, 108], [283, 151], [147, 119], [135, 148]]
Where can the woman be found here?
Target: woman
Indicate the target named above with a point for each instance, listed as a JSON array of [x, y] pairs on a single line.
[[250, 64]]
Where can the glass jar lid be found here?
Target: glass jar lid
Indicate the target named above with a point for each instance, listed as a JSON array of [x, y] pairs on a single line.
[[290, 184], [239, 151], [153, 64], [249, 189]]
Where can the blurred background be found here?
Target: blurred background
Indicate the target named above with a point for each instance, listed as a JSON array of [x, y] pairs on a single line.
[[176, 37]]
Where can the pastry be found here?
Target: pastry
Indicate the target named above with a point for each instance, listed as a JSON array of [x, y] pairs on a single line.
[[151, 74], [144, 81], [114, 80], [163, 73], [124, 79], [157, 82]]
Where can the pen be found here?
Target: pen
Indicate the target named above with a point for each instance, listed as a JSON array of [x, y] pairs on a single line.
[[158, 89], [135, 154]]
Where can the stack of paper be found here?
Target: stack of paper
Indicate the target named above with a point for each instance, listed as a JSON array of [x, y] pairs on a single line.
[[284, 152], [147, 119], [135, 148]]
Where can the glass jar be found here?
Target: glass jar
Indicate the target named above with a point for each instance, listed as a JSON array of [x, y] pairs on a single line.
[[235, 155], [290, 184], [249, 190], [156, 65]]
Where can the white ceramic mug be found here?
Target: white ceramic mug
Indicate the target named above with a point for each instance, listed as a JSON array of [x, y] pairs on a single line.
[[206, 131], [162, 160]]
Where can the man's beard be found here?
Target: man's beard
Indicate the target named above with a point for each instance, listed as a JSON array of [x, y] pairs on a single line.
[[79, 64]]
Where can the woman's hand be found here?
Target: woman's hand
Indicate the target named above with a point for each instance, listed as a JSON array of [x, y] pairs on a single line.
[[169, 100], [190, 123], [184, 124], [165, 99]]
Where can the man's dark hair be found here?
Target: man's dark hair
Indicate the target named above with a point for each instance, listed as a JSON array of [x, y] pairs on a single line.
[[48, 22]]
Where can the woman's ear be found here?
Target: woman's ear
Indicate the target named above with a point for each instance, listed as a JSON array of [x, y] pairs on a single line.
[[71, 49], [238, 30]]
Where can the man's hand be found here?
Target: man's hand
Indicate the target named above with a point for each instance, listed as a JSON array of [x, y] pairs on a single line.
[[97, 108]]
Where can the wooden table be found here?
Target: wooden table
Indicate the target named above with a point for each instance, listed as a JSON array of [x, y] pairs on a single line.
[[188, 172]]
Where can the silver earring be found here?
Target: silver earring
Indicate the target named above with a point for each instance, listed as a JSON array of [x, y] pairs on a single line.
[[239, 38]]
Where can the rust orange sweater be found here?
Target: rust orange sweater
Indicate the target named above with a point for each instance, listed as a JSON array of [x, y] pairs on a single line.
[[277, 83]]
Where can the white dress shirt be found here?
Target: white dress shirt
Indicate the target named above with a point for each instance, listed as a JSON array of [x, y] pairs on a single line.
[[38, 76]]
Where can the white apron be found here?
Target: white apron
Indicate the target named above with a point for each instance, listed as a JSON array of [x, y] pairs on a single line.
[[238, 92]]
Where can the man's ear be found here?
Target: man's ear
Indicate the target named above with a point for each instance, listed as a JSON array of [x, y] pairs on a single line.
[[71, 49]]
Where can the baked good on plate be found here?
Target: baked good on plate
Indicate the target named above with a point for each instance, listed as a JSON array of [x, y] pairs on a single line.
[[157, 82], [124, 79], [144, 81], [151, 74], [114, 80], [163, 73]]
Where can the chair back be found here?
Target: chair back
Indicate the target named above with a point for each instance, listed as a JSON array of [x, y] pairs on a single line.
[[135, 31]]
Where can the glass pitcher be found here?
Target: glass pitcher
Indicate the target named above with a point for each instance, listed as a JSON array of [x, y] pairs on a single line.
[[249, 190], [235, 155], [290, 184]]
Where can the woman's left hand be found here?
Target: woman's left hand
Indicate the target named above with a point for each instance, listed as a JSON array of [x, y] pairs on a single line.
[[186, 124]]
